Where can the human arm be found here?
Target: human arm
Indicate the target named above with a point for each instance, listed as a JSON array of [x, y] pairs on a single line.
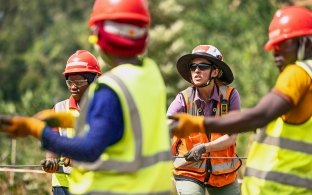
[[292, 84], [226, 140], [104, 118], [221, 143], [106, 128], [176, 106], [269, 107], [51, 155]]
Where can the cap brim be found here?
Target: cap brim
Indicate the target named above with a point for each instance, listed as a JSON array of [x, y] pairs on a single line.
[[184, 62], [275, 41], [75, 71]]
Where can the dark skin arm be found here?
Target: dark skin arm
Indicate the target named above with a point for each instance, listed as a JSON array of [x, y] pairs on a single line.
[[271, 106]]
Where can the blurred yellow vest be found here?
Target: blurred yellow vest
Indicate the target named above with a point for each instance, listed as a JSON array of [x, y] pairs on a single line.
[[62, 179], [280, 159], [140, 163]]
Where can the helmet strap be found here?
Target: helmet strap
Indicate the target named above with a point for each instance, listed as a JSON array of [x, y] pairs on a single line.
[[302, 47], [207, 83], [93, 39]]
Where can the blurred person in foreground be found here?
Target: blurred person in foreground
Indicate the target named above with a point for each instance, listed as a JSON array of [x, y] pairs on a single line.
[[122, 143], [280, 159], [82, 68], [210, 95]]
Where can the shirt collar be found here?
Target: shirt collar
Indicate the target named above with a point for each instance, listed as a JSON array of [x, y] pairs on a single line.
[[73, 104], [215, 95]]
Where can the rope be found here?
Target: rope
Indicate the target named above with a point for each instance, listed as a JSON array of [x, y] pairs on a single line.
[[218, 157], [19, 166], [21, 170], [31, 168]]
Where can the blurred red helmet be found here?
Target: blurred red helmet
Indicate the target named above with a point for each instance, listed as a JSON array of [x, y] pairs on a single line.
[[120, 25], [289, 22], [123, 10], [82, 61]]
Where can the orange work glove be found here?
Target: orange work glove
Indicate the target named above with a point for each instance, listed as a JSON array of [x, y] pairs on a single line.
[[184, 124], [19, 126], [56, 119], [50, 165]]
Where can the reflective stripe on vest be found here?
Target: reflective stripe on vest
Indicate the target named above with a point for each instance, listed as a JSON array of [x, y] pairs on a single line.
[[223, 166], [140, 162], [61, 177], [280, 159]]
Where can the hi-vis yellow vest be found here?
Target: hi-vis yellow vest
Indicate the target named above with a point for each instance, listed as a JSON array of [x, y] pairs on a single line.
[[140, 163], [61, 179], [280, 160]]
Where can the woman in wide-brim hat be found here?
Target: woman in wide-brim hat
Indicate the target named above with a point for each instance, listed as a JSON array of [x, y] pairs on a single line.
[[208, 96], [213, 55]]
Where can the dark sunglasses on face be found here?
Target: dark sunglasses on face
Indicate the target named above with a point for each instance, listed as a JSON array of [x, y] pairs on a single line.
[[201, 66]]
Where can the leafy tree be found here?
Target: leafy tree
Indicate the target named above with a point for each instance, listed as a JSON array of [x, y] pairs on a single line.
[[37, 37]]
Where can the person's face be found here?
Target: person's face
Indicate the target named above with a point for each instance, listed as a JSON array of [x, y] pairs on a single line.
[[285, 53], [77, 85], [200, 72]]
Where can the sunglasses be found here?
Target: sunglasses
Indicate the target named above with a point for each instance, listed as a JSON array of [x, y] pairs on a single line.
[[200, 66], [77, 83]]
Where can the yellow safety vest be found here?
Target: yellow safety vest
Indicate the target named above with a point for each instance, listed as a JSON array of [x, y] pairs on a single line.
[[280, 160], [62, 177], [140, 162]]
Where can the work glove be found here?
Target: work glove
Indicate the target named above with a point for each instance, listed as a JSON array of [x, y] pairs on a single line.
[[184, 124], [56, 119], [50, 165], [19, 126], [195, 153], [65, 161]]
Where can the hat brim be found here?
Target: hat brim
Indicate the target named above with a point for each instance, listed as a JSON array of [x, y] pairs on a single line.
[[184, 62]]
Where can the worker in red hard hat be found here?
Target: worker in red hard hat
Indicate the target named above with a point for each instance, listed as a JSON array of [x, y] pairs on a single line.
[[280, 159], [122, 144], [81, 69]]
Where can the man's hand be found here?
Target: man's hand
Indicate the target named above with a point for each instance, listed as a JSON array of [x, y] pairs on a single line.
[[184, 124], [19, 126], [50, 165], [56, 119], [195, 153]]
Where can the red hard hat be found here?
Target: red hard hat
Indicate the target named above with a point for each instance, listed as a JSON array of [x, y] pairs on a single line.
[[124, 10], [116, 21], [289, 22], [82, 61]]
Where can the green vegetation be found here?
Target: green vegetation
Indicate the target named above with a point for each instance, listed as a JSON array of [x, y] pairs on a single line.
[[37, 37]]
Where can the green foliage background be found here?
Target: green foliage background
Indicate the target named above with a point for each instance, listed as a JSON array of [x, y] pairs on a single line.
[[37, 37]]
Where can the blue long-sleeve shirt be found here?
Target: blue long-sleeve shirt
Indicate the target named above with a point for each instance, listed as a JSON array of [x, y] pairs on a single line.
[[104, 116]]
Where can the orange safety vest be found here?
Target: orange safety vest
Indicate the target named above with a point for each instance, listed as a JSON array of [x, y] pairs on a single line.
[[216, 172]]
